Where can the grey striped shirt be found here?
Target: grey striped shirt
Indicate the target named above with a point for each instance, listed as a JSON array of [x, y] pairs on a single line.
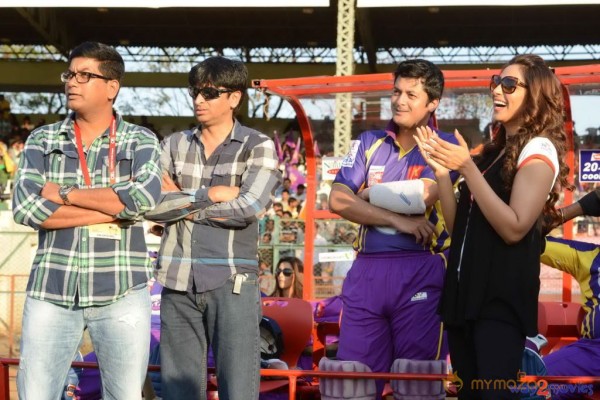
[[207, 251]]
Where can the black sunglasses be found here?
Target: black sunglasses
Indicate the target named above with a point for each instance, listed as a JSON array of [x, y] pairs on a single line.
[[207, 92], [286, 271], [509, 83]]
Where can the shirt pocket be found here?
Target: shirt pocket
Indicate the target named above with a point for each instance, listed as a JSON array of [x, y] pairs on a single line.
[[61, 166], [227, 175], [123, 165]]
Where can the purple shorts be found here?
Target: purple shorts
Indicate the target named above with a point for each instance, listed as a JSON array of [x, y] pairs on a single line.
[[390, 309], [581, 358]]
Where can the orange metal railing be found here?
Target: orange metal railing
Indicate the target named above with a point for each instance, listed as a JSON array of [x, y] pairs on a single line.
[[293, 375]]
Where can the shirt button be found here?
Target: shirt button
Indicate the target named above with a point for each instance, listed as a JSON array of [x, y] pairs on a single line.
[[75, 267], [83, 239]]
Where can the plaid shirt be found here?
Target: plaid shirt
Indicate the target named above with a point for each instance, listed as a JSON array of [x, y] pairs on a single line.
[[209, 249], [69, 262]]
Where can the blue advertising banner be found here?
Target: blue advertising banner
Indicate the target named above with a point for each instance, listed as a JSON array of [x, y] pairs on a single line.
[[589, 165]]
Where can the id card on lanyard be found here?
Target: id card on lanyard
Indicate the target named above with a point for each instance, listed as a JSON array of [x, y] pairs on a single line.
[[112, 154], [108, 230]]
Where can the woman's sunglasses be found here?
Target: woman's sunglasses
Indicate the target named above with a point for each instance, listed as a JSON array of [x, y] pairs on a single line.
[[286, 271], [207, 92], [509, 83]]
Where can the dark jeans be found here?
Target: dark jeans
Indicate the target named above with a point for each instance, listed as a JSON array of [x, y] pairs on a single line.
[[226, 321]]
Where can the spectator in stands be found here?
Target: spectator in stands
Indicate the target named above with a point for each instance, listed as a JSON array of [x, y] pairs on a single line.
[[266, 238], [300, 193], [294, 207], [26, 124], [7, 166], [217, 179], [266, 280], [4, 115], [287, 183], [92, 265], [284, 199], [270, 225], [379, 320], [289, 275], [492, 283], [16, 146], [323, 202], [277, 209]]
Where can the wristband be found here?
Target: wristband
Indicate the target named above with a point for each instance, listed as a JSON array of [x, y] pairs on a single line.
[[590, 204]]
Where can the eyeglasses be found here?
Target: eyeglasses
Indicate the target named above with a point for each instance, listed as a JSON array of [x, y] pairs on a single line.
[[81, 77], [286, 272], [207, 92], [509, 83]]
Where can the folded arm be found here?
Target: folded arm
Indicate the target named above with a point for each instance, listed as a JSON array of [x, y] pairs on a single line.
[[259, 181], [223, 206], [73, 216], [343, 201], [36, 199]]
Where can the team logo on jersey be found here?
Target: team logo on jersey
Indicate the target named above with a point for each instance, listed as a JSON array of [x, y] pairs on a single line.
[[375, 174], [348, 161], [414, 172], [420, 296]]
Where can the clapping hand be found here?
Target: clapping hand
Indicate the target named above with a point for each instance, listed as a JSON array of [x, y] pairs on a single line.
[[424, 135], [440, 153]]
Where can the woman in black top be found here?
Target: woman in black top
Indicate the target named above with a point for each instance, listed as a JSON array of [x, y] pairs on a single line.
[[489, 303]]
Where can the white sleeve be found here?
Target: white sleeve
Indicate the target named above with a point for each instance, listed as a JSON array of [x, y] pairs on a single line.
[[540, 148]]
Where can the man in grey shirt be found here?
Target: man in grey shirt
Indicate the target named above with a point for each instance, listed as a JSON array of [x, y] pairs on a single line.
[[216, 179]]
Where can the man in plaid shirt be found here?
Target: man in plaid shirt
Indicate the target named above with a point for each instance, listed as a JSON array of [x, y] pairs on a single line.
[[85, 183], [217, 178]]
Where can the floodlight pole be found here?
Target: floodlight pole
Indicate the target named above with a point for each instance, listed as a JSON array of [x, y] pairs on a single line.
[[344, 67]]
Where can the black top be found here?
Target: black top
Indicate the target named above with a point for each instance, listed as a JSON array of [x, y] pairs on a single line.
[[487, 278]]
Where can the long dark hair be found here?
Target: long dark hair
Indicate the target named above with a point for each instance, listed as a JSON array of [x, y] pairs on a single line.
[[297, 286], [542, 114]]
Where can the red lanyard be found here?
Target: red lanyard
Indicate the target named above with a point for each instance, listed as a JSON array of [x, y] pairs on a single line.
[[112, 153]]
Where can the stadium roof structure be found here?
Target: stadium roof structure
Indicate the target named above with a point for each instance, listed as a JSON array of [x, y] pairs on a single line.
[[160, 44], [247, 28]]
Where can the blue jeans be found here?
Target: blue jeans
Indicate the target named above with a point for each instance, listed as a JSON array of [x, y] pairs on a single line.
[[229, 323], [120, 334]]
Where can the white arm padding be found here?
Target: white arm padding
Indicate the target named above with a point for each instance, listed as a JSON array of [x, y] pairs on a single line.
[[403, 197]]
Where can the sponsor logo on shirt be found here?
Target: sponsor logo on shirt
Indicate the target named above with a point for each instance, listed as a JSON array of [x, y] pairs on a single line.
[[546, 147], [420, 296], [375, 174], [348, 161]]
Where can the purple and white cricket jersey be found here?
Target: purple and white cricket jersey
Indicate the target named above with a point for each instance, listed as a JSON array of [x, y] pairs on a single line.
[[376, 157]]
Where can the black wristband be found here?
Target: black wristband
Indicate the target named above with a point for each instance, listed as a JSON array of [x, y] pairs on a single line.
[[590, 204]]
